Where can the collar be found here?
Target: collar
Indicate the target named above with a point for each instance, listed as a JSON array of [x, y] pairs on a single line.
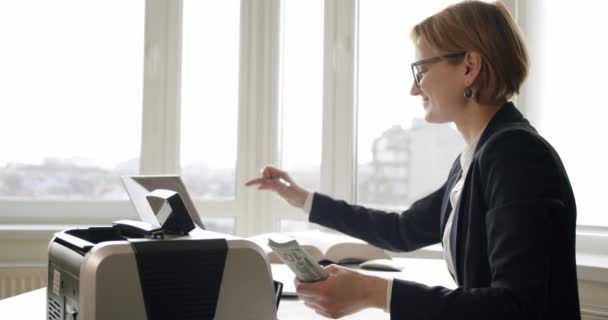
[[508, 113]]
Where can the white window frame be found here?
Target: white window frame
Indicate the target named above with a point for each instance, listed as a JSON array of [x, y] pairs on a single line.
[[339, 110], [259, 121]]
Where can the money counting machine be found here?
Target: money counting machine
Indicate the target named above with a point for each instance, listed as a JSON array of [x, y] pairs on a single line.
[[137, 270]]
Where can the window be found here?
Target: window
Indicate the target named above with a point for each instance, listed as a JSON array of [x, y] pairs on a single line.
[[400, 157], [71, 85], [302, 90], [209, 101], [318, 65], [567, 102], [209, 106]]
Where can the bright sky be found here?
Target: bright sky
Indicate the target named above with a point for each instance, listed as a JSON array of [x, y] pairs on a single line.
[[71, 83]]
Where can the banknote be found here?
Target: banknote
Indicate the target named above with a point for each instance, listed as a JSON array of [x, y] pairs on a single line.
[[294, 256]]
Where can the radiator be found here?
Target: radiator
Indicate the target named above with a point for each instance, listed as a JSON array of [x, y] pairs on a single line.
[[16, 280]]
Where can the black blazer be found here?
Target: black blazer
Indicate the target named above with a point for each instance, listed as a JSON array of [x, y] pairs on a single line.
[[513, 233]]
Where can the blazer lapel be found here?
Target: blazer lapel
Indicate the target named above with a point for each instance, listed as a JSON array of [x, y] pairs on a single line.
[[508, 113]]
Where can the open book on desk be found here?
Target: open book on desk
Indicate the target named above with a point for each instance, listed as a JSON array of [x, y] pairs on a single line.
[[323, 247]]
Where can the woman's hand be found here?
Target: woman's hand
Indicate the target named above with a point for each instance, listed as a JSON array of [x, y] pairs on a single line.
[[344, 292], [280, 182]]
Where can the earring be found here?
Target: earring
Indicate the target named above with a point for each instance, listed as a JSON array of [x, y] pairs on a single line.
[[468, 93]]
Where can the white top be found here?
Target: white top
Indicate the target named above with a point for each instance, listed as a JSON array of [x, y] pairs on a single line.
[[465, 162]]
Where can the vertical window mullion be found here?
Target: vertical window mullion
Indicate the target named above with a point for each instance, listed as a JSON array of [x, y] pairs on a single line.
[[518, 11], [162, 74], [258, 109], [339, 103]]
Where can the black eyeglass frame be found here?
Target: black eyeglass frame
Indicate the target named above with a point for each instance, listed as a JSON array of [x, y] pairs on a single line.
[[451, 55]]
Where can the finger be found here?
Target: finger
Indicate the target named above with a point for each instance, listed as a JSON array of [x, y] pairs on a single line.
[[315, 293], [332, 268], [315, 302], [266, 173], [314, 306], [310, 296], [270, 184], [262, 185], [284, 176], [254, 181], [324, 313], [282, 182], [271, 172], [281, 177], [301, 287], [307, 289]]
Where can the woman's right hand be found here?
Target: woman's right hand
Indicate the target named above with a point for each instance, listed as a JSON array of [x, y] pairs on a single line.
[[280, 182]]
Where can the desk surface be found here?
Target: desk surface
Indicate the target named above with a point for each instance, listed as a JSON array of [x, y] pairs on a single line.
[[32, 305]]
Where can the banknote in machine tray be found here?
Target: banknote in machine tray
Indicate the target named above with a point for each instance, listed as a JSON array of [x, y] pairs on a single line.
[[296, 258]]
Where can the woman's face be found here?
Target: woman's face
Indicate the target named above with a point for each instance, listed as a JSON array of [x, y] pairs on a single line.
[[441, 86]]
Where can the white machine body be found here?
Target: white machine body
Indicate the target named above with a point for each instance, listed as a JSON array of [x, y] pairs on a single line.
[[101, 274]]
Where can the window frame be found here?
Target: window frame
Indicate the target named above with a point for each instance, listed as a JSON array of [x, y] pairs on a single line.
[[259, 132]]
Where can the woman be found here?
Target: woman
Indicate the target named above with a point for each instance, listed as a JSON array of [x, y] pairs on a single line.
[[506, 215]]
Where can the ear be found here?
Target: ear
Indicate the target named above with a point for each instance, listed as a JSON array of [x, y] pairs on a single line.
[[472, 64]]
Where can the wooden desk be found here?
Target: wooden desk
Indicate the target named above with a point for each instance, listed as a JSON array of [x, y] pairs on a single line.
[[32, 305]]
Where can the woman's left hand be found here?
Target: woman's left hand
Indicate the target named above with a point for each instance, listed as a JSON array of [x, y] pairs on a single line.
[[344, 292]]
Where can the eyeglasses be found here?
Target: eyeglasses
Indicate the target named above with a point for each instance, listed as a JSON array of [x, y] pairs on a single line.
[[418, 73]]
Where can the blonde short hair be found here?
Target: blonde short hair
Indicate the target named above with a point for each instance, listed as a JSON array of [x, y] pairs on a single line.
[[489, 29]]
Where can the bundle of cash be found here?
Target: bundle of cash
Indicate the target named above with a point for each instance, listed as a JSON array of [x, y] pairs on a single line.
[[294, 256]]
